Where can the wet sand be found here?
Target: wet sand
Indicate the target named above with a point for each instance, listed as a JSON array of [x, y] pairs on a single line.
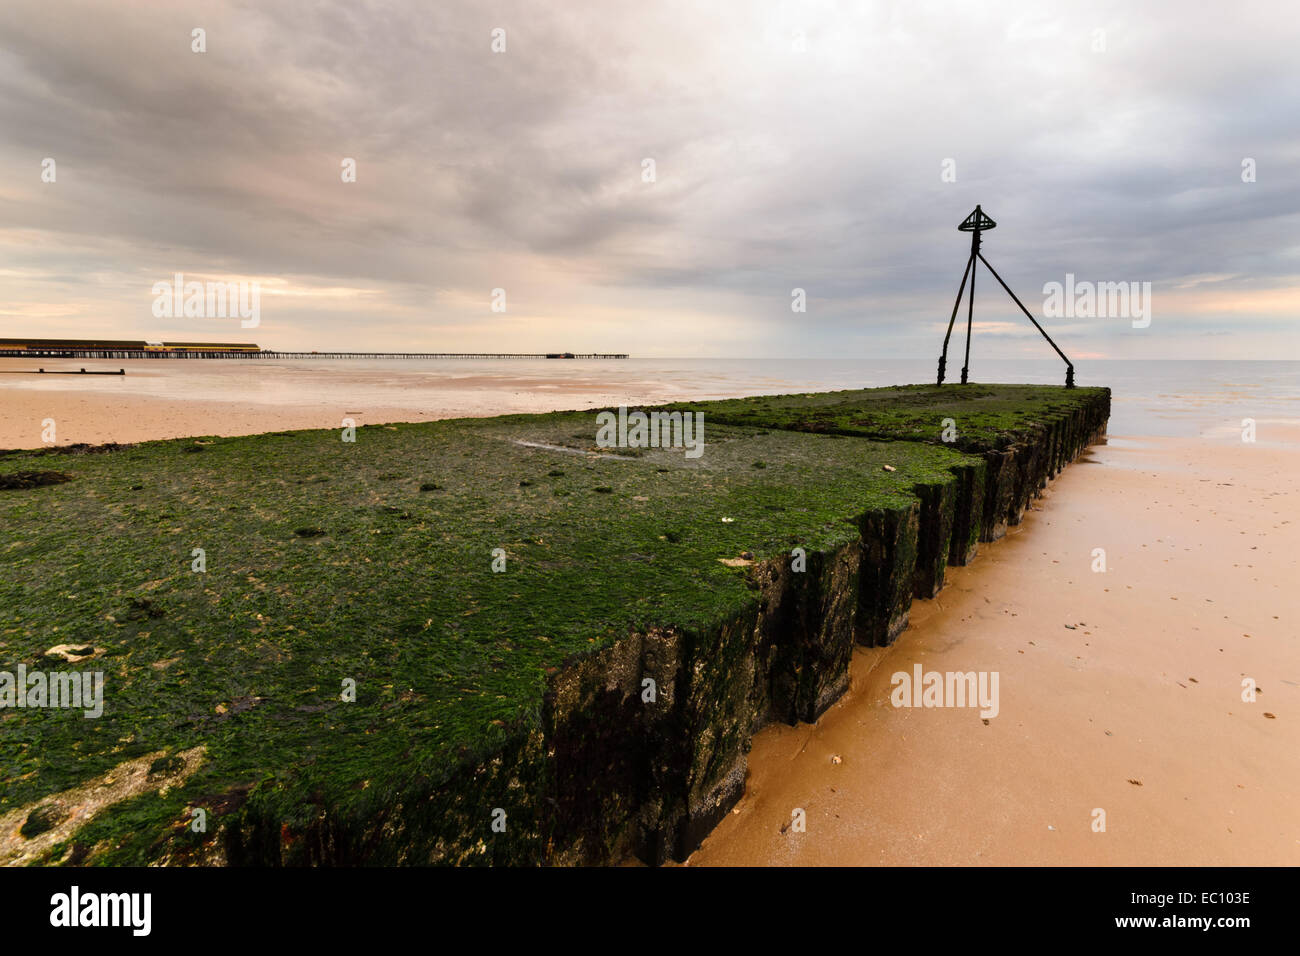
[[96, 419], [159, 400], [1135, 708]]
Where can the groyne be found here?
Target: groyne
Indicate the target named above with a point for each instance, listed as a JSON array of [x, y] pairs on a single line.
[[608, 774], [846, 507]]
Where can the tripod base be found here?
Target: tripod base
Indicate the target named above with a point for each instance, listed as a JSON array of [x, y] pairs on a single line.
[[973, 224]]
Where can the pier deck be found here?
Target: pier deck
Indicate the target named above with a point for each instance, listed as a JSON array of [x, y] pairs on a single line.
[[271, 354]]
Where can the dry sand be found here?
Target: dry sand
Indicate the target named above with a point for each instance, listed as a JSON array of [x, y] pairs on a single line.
[[1136, 710], [179, 399], [96, 418]]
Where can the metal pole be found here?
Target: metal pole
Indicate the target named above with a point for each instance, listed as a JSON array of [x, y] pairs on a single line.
[[943, 357], [1069, 366], [970, 311]]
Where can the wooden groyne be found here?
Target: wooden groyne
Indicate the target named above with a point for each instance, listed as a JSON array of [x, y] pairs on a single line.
[[605, 776], [595, 697]]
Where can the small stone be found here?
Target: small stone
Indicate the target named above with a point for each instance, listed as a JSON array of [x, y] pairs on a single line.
[[889, 468], [72, 653]]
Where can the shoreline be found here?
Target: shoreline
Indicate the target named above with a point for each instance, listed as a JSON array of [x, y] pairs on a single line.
[[179, 399], [119, 411]]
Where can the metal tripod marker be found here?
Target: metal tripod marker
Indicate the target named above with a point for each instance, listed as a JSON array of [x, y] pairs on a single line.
[[976, 222]]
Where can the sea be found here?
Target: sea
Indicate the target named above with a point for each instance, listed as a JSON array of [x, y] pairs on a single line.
[[1209, 398]]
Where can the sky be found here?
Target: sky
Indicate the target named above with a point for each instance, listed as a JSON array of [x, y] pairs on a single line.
[[826, 147]]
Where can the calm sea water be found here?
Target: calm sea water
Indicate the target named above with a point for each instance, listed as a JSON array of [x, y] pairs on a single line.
[[1185, 398]]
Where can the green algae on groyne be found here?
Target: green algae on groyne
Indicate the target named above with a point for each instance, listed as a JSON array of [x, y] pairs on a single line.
[[498, 642]]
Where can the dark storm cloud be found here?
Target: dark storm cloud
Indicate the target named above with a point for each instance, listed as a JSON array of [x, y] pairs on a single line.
[[780, 163]]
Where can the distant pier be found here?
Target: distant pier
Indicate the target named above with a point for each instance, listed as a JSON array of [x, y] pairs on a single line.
[[54, 348], [196, 354]]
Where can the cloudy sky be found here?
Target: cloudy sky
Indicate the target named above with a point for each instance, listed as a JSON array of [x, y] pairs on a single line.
[[794, 145]]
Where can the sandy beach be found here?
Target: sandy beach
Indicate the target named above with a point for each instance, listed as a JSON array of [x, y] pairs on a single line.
[[132, 418], [1119, 691], [157, 400]]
